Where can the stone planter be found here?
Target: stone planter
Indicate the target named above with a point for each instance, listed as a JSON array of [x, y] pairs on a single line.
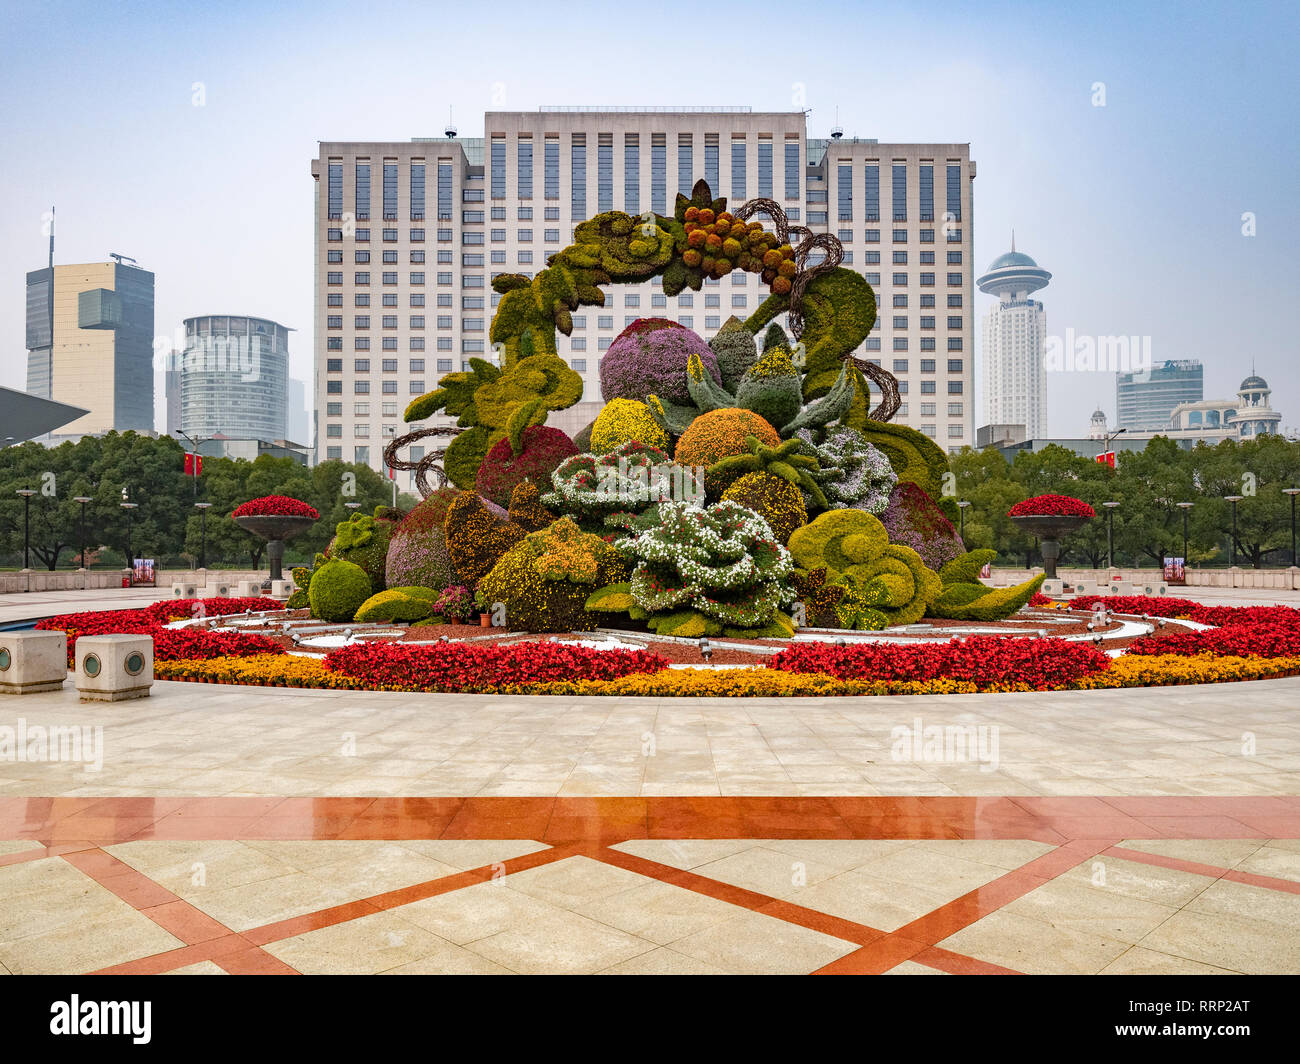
[[275, 529], [1050, 529]]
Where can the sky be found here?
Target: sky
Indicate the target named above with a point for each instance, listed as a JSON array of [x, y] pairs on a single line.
[[1133, 147]]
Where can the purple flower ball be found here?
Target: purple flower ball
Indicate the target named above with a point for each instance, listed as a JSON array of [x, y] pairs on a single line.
[[649, 358]]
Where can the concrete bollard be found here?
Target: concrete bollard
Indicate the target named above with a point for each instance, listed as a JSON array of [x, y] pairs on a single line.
[[281, 589], [32, 661], [250, 589], [113, 668], [220, 590], [184, 589]]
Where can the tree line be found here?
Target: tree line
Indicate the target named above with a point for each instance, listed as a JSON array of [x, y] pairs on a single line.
[[164, 524], [1148, 485]]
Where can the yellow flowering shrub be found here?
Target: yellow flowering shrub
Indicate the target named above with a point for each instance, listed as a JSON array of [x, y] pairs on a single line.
[[624, 420]]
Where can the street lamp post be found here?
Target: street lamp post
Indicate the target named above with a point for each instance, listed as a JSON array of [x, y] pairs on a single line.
[[1232, 544], [203, 508], [27, 494], [1293, 492], [961, 519], [128, 507], [1110, 533], [83, 499], [1185, 507]]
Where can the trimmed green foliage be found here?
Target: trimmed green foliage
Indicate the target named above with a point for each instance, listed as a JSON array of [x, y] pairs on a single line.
[[735, 350], [786, 461], [773, 498], [338, 588], [476, 538], [965, 598], [397, 604], [914, 456], [363, 540]]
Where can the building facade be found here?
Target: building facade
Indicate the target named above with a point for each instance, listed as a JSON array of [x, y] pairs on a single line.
[[410, 234], [1145, 401], [1014, 335], [90, 331], [234, 378]]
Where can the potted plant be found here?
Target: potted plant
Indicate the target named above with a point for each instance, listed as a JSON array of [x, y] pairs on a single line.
[[1050, 517], [455, 604], [275, 518]]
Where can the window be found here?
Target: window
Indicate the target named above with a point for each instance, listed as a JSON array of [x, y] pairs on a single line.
[[444, 321], [686, 320], [658, 300], [925, 186], [632, 173], [927, 279], [712, 300], [900, 321], [817, 217], [737, 299], [900, 193], [390, 258], [472, 324], [954, 299], [444, 365], [335, 194], [524, 178], [361, 257], [954, 432], [498, 168], [927, 365], [927, 236], [872, 236], [791, 169], [954, 321], [955, 387], [953, 236], [954, 193], [900, 343], [417, 387], [334, 256], [524, 236], [334, 432], [444, 343], [872, 278], [360, 387], [334, 299], [873, 343], [361, 321], [765, 168], [579, 365], [873, 258], [334, 234], [900, 279], [954, 258], [844, 192], [711, 160], [417, 257], [390, 277], [390, 299], [390, 235], [551, 168], [927, 300], [578, 343], [389, 388], [900, 236], [361, 455], [605, 173], [712, 321], [927, 258], [605, 321], [444, 278], [390, 191], [415, 343], [954, 278], [578, 176], [900, 258], [929, 409], [551, 236], [361, 299], [954, 409], [471, 239], [900, 365], [927, 343], [873, 193], [334, 365], [417, 299], [333, 343], [927, 321], [739, 178], [954, 343], [928, 388]]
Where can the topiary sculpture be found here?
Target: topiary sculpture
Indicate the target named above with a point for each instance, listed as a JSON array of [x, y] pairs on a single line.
[[526, 509], [854, 548], [786, 461], [477, 538], [775, 499], [338, 588], [545, 579], [417, 548], [735, 351], [397, 604], [649, 357], [965, 598], [540, 449], [862, 477], [363, 540], [711, 571], [593, 489], [622, 421], [912, 519], [721, 434]]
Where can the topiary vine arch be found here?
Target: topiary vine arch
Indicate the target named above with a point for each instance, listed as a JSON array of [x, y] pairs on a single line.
[[830, 312]]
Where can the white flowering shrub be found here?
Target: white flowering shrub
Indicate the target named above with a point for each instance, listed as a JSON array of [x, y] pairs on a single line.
[[864, 477]]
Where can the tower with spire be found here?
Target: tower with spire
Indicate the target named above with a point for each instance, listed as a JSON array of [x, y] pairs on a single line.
[[1015, 333]]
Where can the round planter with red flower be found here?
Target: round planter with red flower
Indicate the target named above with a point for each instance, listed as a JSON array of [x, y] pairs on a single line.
[[275, 518], [1051, 517]]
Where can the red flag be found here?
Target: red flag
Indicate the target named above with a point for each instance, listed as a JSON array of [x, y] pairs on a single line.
[[1108, 458], [193, 464]]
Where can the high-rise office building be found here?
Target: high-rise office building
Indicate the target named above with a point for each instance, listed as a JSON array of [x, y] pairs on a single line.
[[90, 331], [1015, 331], [172, 391], [1144, 400], [235, 378], [298, 425], [410, 234]]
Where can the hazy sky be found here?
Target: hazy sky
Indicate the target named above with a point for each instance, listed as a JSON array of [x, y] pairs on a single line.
[[1136, 206]]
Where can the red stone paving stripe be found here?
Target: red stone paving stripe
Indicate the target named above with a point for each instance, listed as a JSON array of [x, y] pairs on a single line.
[[1253, 879], [959, 964], [170, 960], [562, 820], [57, 850], [935, 926], [746, 899], [253, 962]]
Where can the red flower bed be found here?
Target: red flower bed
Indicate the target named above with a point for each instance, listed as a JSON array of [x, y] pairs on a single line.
[[1171, 606], [275, 506], [171, 644], [1238, 640], [1040, 664], [1052, 505], [474, 668]]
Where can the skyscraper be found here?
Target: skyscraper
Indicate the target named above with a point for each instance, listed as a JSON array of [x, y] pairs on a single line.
[[1015, 329], [235, 378], [1145, 400], [410, 234], [90, 331]]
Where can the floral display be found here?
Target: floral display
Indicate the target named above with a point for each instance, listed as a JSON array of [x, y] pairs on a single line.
[[720, 434], [455, 603], [912, 519], [787, 461], [1052, 506], [473, 668], [544, 580], [818, 597], [526, 509], [363, 540], [275, 506], [775, 499], [861, 476], [417, 548], [477, 538], [170, 643], [649, 357], [704, 571], [735, 349], [628, 480], [540, 450], [966, 598], [623, 421]]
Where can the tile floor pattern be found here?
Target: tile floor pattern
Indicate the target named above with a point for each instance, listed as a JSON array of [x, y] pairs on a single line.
[[829, 885]]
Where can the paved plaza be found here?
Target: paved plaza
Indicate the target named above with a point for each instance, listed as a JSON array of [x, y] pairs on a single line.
[[224, 829]]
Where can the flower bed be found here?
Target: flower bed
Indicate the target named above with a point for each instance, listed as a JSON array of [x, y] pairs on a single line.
[[483, 668], [989, 662], [171, 643], [1052, 506], [275, 506]]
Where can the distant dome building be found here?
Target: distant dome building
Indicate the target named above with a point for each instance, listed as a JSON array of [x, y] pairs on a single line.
[[1014, 334], [1097, 425], [1212, 420]]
